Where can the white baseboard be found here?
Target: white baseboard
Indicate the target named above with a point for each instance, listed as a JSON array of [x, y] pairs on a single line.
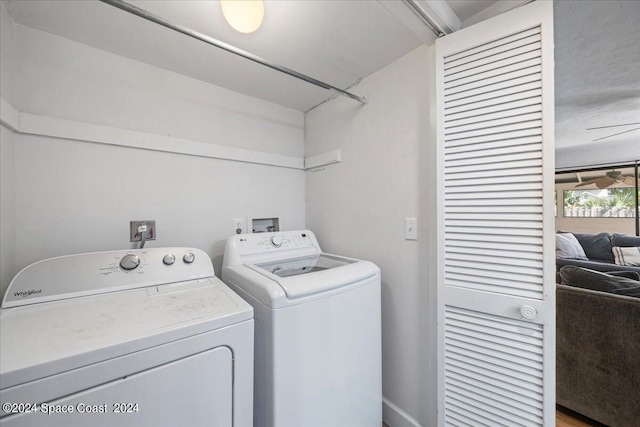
[[396, 417]]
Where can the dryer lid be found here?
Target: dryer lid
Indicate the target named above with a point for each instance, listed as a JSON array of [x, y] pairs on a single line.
[[63, 313], [40, 340]]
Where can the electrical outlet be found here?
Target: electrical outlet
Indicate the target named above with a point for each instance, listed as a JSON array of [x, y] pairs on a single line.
[[239, 224], [135, 236]]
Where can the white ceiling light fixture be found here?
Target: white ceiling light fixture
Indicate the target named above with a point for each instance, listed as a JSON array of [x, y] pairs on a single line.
[[245, 16]]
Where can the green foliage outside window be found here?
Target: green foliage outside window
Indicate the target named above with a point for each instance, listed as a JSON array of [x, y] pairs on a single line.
[[608, 203]]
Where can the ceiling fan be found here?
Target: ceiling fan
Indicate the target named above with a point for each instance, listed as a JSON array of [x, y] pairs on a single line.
[[633, 127], [612, 177]]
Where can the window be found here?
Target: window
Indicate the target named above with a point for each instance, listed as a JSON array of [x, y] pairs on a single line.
[[601, 203], [599, 199]]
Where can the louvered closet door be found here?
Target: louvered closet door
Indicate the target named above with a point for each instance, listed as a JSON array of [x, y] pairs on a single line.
[[496, 286]]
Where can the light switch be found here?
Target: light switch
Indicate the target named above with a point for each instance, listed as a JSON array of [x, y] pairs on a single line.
[[410, 229]]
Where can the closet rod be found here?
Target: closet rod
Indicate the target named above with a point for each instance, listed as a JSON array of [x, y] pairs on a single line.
[[225, 46]]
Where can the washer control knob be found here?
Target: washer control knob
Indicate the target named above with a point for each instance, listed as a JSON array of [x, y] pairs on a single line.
[[130, 261], [276, 241], [189, 257], [169, 259]]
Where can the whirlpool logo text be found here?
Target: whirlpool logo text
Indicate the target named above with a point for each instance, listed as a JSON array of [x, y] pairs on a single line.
[[25, 294]]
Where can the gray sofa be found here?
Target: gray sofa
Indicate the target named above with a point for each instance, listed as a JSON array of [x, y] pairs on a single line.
[[598, 248], [598, 345]]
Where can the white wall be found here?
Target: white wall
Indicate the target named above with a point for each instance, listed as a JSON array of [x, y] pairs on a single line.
[[7, 54], [7, 143], [75, 196], [7, 208], [357, 208], [65, 79]]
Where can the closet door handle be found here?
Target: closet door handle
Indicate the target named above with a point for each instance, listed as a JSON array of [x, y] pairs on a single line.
[[528, 312]]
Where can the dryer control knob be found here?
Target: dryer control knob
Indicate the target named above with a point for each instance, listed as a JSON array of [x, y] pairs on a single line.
[[189, 257], [276, 241], [130, 261], [169, 259]]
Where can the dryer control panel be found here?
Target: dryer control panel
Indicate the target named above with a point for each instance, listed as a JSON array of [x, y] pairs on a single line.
[[257, 247], [100, 272]]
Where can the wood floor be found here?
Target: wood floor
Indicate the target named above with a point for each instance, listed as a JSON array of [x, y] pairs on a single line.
[[567, 418]]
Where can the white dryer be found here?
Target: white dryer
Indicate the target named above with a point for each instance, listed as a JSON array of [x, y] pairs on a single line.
[[129, 338], [318, 330]]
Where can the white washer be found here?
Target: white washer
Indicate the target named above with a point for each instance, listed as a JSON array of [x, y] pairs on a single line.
[[129, 338], [318, 333]]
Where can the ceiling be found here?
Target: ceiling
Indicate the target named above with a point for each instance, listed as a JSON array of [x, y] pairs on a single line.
[[332, 41], [465, 9], [597, 72], [340, 42]]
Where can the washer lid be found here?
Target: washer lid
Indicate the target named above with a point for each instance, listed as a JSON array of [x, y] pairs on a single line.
[[302, 277], [48, 338], [297, 266]]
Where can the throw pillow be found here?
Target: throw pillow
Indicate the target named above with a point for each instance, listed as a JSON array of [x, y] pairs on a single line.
[[567, 246], [596, 246], [597, 281], [627, 256], [624, 240]]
